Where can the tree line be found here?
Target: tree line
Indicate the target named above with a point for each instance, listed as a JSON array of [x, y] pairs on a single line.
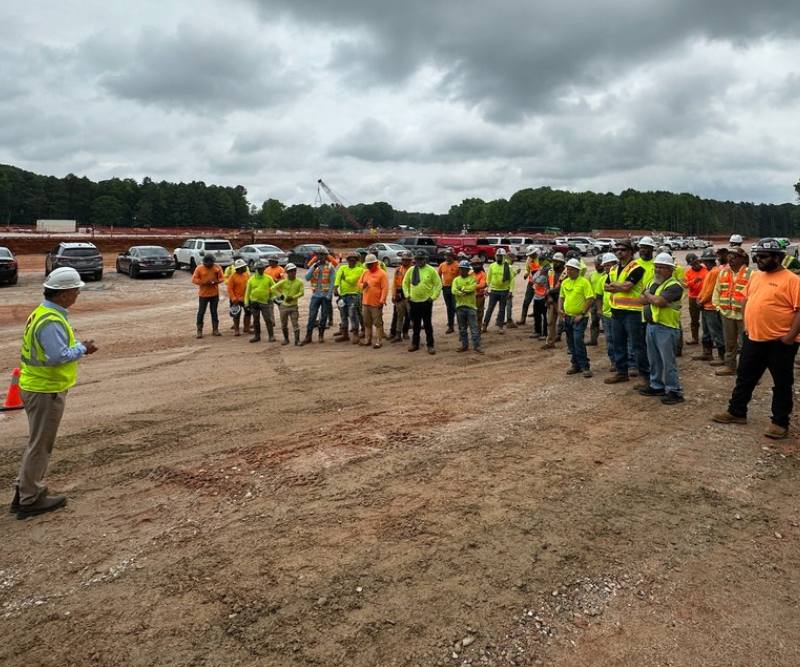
[[26, 197]]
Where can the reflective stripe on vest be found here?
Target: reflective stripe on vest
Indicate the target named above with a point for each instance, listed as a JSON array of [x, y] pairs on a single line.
[[35, 374], [627, 300], [731, 288], [669, 315], [324, 284], [551, 278]]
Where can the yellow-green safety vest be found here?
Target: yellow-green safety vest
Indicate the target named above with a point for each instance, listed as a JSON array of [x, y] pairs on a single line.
[[669, 315], [627, 300], [35, 374]]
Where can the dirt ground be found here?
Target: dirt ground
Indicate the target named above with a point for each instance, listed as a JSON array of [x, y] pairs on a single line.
[[240, 504]]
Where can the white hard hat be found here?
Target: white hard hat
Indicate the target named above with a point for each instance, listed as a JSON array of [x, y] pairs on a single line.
[[239, 264], [370, 259], [558, 257], [574, 263], [646, 240], [736, 238], [665, 259], [290, 267], [63, 278], [531, 250], [610, 258], [501, 251]]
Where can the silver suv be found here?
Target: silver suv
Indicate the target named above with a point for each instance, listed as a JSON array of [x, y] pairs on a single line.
[[85, 258]]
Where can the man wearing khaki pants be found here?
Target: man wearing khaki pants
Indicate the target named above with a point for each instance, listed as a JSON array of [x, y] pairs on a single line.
[[49, 367]]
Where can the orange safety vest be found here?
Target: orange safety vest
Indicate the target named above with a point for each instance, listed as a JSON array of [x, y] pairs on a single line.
[[532, 268], [731, 288], [326, 277], [551, 278]]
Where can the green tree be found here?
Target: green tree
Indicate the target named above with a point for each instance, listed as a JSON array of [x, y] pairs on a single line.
[[107, 211]]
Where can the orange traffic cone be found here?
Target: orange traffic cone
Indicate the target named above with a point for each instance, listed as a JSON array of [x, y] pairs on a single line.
[[13, 397]]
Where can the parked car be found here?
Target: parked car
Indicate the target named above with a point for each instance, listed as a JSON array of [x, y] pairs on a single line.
[[8, 267], [300, 254], [605, 244], [428, 244], [518, 246], [191, 253], [472, 245], [85, 258], [262, 251], [585, 244], [140, 260], [387, 252]]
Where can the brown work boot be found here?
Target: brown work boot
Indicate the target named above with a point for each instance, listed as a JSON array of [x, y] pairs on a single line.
[[717, 362], [728, 418], [236, 331], [199, 333], [413, 348], [307, 339], [321, 335], [707, 355], [726, 371], [511, 324], [463, 348], [548, 346], [616, 379], [641, 386], [776, 432], [215, 331]]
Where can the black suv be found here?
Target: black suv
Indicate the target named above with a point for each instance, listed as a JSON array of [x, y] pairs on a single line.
[[85, 258]]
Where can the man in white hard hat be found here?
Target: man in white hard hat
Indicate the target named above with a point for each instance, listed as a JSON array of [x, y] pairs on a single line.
[[647, 247], [48, 368], [555, 274], [736, 241], [610, 263], [499, 279], [532, 267], [575, 299]]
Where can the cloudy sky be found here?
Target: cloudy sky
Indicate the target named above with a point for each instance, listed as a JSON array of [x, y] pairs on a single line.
[[420, 103]]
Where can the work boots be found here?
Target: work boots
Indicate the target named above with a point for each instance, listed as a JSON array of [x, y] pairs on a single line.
[[707, 355], [286, 335], [270, 332], [297, 338], [199, 333], [511, 324], [321, 335], [215, 330], [236, 331], [306, 340]]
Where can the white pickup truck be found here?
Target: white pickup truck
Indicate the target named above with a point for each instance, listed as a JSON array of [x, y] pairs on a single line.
[[191, 253]]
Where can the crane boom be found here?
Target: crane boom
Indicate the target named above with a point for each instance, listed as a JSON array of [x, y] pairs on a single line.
[[351, 219]]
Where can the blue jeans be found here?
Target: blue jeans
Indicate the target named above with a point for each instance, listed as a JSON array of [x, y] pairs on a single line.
[[712, 321], [627, 328], [351, 305], [609, 333], [575, 344], [496, 298], [318, 307], [661, 345], [468, 319]]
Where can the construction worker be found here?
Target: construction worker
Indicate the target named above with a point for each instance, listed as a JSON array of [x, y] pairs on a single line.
[[598, 280], [555, 275], [712, 322], [290, 290], [274, 270], [575, 299], [539, 283], [498, 279], [321, 276], [374, 284], [771, 323], [48, 369], [532, 267], [258, 300], [422, 287], [464, 289], [626, 287], [646, 247], [728, 297], [237, 286], [208, 277], [610, 262], [401, 319], [510, 323], [480, 291], [694, 276], [736, 241], [448, 270], [227, 273], [661, 309], [347, 290], [322, 251]]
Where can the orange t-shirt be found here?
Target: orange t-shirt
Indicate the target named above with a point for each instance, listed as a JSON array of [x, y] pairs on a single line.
[[399, 274], [480, 278], [448, 272], [707, 290], [275, 272], [237, 284], [374, 287], [531, 268], [694, 280], [773, 300], [203, 275]]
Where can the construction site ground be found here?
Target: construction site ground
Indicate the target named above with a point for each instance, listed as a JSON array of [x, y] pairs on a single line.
[[252, 504]]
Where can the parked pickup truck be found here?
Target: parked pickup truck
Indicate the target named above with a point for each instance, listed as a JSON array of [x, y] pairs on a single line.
[[483, 247], [427, 244]]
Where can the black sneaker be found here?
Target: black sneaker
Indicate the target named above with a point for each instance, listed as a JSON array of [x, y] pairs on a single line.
[[672, 399], [43, 504], [649, 391], [14, 507]]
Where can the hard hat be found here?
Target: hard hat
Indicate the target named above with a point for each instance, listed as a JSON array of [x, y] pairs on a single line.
[[239, 264], [769, 245], [664, 259], [574, 264], [354, 255], [272, 258], [63, 278], [464, 264], [531, 250], [279, 299], [610, 258], [736, 238], [624, 243], [691, 257], [647, 241], [463, 255], [371, 259], [501, 251], [290, 267], [421, 254], [235, 310], [558, 257], [708, 254], [405, 254], [476, 260]]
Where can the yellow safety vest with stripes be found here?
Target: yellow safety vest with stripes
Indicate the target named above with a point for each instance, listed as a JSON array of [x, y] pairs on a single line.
[[627, 300], [669, 315], [35, 374]]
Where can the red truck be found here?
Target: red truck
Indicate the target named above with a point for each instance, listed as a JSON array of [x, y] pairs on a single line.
[[482, 246]]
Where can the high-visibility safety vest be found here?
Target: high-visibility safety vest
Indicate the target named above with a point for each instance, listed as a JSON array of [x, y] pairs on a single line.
[[531, 268], [325, 280], [35, 374], [551, 278], [669, 315], [649, 267], [627, 300], [732, 286], [791, 263]]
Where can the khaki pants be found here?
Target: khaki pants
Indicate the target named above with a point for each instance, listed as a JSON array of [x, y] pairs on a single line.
[[732, 331], [553, 320], [373, 316], [289, 313], [44, 416], [480, 302]]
